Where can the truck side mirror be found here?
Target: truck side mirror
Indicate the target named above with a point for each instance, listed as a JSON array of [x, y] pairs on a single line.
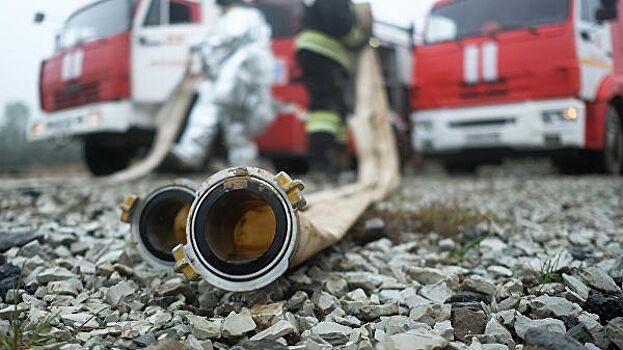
[[607, 11]]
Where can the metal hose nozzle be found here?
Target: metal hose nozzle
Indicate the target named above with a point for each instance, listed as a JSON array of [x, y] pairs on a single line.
[[158, 223], [242, 229]]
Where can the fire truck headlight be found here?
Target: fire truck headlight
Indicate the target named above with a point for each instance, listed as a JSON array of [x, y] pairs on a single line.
[[37, 128], [94, 118], [570, 114]]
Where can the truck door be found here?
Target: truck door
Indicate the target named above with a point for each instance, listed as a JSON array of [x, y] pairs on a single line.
[[162, 35], [594, 43]]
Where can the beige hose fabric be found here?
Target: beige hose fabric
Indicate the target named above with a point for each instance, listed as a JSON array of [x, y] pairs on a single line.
[[331, 213], [171, 118]]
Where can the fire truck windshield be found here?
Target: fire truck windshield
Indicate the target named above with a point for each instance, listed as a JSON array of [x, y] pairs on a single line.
[[102, 19], [467, 18]]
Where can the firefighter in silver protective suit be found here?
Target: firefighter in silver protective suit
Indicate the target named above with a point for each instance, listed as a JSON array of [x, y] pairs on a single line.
[[235, 96]]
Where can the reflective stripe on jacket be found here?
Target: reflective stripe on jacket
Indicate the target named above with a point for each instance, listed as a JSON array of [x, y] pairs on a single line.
[[324, 45]]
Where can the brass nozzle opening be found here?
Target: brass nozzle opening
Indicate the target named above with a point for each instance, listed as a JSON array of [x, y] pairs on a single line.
[[159, 224], [240, 228]]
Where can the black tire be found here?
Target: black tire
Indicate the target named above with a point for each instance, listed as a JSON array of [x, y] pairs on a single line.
[[577, 164], [460, 167], [612, 155], [291, 165], [103, 157]]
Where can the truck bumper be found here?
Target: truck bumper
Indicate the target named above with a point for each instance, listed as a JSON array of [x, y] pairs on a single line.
[[115, 117], [528, 126]]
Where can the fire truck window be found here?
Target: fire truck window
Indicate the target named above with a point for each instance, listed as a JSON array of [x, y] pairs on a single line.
[[283, 16], [153, 14], [179, 13], [589, 9], [461, 19], [96, 21]]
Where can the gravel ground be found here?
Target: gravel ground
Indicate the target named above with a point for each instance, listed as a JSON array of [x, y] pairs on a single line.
[[506, 262]]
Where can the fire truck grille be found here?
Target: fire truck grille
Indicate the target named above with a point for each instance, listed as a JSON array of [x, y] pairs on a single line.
[[76, 95]]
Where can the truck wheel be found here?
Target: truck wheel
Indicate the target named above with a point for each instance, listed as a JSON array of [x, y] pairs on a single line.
[[460, 167], [291, 165], [613, 144], [103, 158]]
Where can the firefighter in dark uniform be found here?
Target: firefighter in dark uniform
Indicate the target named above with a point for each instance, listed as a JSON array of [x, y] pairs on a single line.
[[329, 32]]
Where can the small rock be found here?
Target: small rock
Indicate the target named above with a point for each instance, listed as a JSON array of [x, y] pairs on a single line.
[[274, 332], [523, 324], [444, 329], [236, 325], [604, 305], [479, 284], [114, 256], [446, 245], [580, 333], [333, 333], [497, 331], [264, 315], [296, 301], [145, 339], [168, 344], [468, 297], [599, 279], [336, 286], [614, 330], [365, 280], [18, 238], [260, 345], [576, 285], [597, 331], [468, 319], [439, 292], [546, 306], [371, 312], [69, 287], [325, 302], [431, 313], [120, 291], [160, 319], [541, 339], [9, 275], [418, 339], [202, 328], [83, 320], [425, 275], [55, 274], [500, 271]]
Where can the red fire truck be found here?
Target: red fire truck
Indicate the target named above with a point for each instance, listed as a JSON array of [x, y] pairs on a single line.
[[508, 77], [117, 62]]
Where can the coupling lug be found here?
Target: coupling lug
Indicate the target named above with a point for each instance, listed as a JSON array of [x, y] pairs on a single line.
[[293, 188], [127, 208], [183, 266]]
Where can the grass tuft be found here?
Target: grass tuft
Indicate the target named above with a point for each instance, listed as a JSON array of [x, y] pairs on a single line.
[[19, 337], [448, 220], [549, 270]]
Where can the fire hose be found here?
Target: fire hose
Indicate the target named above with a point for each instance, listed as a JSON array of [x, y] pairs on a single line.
[[244, 228]]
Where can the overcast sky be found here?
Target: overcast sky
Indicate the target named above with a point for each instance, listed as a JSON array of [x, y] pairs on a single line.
[[23, 44]]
